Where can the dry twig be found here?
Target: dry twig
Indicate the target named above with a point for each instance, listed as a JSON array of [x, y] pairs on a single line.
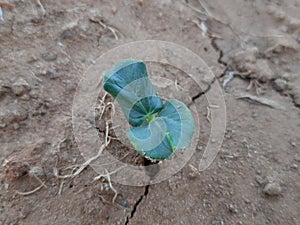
[[36, 189], [79, 168], [261, 100], [86, 163], [105, 26], [41, 6], [107, 177], [31, 192]]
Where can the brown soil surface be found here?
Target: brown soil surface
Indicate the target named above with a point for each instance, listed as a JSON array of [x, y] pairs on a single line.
[[43, 55]]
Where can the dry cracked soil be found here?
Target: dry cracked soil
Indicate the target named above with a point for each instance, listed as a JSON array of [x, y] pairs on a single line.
[[253, 48]]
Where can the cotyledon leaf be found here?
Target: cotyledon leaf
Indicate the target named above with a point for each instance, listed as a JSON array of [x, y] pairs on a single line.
[[129, 84], [172, 129]]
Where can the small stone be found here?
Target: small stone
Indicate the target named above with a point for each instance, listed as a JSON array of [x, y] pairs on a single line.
[[114, 10], [18, 114], [272, 189], [48, 56], [258, 172], [276, 12], [280, 84], [260, 180], [20, 87], [3, 88], [124, 203], [67, 34], [293, 23], [32, 59], [247, 201], [34, 93], [16, 126], [13, 114], [25, 97], [37, 171], [106, 186], [50, 74], [232, 208], [297, 158], [294, 166]]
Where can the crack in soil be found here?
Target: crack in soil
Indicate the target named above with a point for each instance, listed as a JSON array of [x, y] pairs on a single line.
[[133, 211], [227, 68], [221, 54], [220, 61], [294, 101], [194, 98]]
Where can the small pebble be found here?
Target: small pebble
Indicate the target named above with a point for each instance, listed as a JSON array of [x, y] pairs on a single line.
[[20, 87], [50, 74], [16, 126], [247, 201], [48, 56], [258, 172], [114, 10], [67, 34], [280, 84], [293, 23], [293, 144], [232, 209], [124, 203], [294, 166], [14, 114], [276, 12], [106, 186], [37, 171], [260, 180], [18, 114], [297, 158], [272, 189]]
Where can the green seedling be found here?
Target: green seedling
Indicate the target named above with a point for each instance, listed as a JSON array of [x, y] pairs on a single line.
[[159, 128]]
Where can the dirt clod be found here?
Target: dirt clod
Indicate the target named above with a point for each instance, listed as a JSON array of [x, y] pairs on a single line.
[[293, 23], [280, 84], [272, 189], [16, 166], [276, 12], [245, 56], [20, 87], [49, 56]]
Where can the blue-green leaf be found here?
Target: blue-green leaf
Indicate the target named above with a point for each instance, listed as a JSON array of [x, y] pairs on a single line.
[[158, 129], [129, 84], [171, 130], [179, 122]]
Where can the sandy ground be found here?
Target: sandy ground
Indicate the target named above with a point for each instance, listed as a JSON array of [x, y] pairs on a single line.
[[45, 50]]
